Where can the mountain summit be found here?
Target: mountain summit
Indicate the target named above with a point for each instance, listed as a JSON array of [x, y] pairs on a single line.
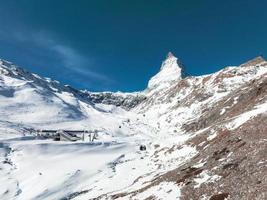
[[170, 72]]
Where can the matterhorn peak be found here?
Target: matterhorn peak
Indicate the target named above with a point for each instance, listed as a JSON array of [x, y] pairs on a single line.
[[170, 55], [170, 72], [170, 59]]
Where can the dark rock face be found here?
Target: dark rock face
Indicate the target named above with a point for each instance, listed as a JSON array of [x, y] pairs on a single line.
[[125, 101], [142, 147], [238, 158], [248, 96], [221, 196]]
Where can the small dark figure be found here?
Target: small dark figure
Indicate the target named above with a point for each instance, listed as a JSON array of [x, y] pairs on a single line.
[[142, 148], [119, 126]]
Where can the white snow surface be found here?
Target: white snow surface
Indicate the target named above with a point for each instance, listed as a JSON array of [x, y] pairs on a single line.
[[244, 117], [204, 177], [170, 73]]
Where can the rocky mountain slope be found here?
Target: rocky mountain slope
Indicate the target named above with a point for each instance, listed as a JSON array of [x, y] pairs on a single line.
[[205, 137]]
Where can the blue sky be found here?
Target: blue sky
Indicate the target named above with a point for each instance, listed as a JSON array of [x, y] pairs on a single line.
[[118, 45]]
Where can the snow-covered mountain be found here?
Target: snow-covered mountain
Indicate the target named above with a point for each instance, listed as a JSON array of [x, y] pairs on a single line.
[[170, 73], [205, 137], [30, 101]]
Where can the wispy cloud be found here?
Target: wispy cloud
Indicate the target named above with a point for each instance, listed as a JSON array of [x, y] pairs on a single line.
[[70, 58], [74, 62]]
